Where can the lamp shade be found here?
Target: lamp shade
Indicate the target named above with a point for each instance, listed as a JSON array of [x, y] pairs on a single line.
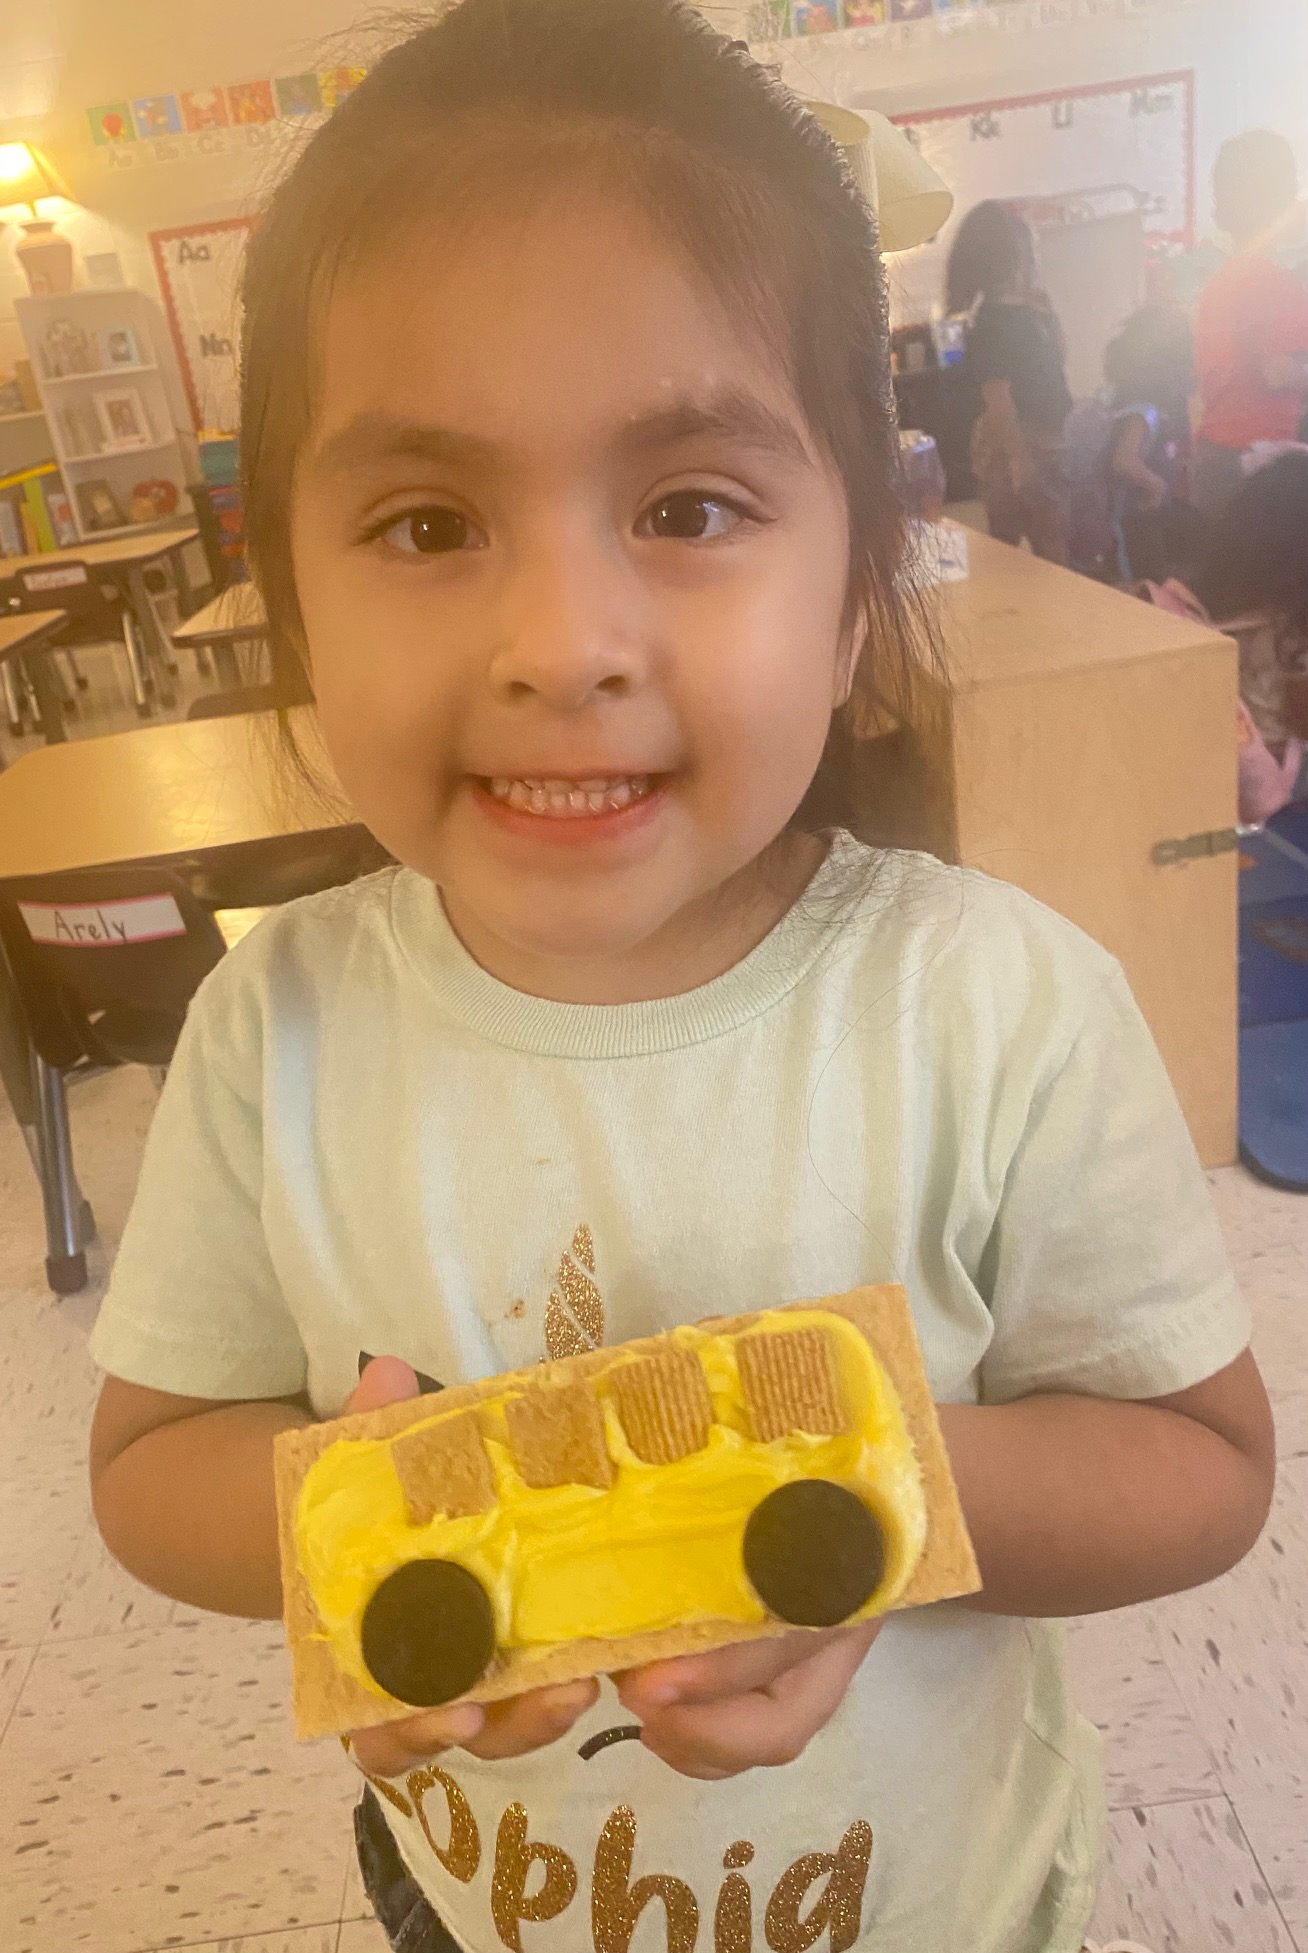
[[26, 176], [911, 201]]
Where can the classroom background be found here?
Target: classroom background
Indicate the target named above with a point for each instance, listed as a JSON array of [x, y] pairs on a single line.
[[1088, 749]]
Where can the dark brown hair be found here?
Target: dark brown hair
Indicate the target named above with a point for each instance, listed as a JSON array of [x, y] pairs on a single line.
[[992, 249], [496, 98]]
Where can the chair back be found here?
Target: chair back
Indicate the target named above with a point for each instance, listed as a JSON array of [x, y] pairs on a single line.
[[105, 962], [71, 586]]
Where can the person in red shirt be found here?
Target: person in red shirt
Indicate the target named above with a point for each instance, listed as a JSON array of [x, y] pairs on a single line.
[[1251, 336]]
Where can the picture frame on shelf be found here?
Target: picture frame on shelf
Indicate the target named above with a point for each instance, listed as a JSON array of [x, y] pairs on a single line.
[[60, 511], [98, 506], [118, 345], [124, 423], [79, 427], [67, 351]]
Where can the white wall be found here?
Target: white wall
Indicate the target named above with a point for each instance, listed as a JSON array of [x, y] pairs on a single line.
[[59, 57]]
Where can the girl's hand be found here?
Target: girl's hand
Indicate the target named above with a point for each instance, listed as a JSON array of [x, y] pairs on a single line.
[[525, 1722], [758, 1703]]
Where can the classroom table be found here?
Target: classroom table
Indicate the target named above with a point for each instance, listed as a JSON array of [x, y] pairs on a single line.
[[124, 561], [27, 634], [211, 795], [235, 616], [1081, 730], [160, 792]]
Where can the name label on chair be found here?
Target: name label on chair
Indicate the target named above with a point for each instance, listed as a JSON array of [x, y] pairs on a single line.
[[71, 577], [103, 925]]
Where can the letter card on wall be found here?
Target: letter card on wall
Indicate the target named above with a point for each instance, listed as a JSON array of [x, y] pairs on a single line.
[[199, 269]]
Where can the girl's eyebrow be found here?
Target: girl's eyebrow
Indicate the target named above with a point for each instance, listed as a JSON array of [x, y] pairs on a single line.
[[728, 414]]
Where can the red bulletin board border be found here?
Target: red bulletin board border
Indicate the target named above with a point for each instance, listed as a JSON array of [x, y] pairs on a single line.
[[1081, 92], [157, 241]]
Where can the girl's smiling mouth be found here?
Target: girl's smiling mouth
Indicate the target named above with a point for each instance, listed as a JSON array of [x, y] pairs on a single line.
[[552, 808], [557, 799]]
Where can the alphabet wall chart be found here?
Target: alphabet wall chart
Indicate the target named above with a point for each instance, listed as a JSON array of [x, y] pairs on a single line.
[[1133, 138], [199, 269]]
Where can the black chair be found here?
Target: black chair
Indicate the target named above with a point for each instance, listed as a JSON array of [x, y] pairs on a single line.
[[101, 966], [96, 610]]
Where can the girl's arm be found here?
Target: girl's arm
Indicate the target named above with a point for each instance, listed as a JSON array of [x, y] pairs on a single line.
[[1081, 1504], [183, 1494], [997, 397], [1129, 464]]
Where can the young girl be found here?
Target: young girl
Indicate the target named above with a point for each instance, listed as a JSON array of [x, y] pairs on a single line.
[[1127, 454], [1014, 379], [571, 479]]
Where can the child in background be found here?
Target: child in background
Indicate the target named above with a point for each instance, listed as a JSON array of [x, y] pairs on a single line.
[[1127, 454], [1014, 379], [571, 477], [1254, 584]]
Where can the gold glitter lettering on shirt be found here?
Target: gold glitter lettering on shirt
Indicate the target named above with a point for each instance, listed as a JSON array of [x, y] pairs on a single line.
[[733, 1921], [515, 1856], [574, 1315], [616, 1904], [791, 1929], [462, 1854]]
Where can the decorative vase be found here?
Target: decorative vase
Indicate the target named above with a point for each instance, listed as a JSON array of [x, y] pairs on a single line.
[[46, 258]]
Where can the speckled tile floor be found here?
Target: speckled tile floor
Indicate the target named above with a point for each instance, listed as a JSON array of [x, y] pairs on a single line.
[[151, 1794]]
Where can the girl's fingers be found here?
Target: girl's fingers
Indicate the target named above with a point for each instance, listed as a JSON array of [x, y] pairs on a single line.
[[496, 1729], [530, 1722], [764, 1728], [734, 1671], [398, 1746], [386, 1380]]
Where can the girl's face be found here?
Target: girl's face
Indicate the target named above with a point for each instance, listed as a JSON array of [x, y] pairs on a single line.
[[572, 574]]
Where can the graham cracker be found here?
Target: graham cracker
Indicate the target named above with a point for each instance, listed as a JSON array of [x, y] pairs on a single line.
[[444, 1469], [328, 1701], [790, 1384], [557, 1434], [663, 1405]]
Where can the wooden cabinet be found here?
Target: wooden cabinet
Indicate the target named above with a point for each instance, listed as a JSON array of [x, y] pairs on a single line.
[[1081, 728]]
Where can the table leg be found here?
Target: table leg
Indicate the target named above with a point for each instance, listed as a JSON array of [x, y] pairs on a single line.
[[140, 689], [156, 651], [48, 704], [185, 599], [13, 707]]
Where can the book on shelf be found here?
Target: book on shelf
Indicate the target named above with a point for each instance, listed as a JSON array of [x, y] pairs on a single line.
[[35, 513], [11, 529]]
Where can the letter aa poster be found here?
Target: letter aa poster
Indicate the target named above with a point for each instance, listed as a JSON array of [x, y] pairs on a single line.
[[199, 269]]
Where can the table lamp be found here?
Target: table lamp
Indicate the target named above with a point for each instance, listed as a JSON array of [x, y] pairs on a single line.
[[911, 201], [26, 178]]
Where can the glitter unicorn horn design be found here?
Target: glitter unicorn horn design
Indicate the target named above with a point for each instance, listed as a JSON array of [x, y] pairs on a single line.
[[574, 1315]]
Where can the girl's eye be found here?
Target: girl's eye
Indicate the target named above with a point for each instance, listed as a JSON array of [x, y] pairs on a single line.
[[691, 516], [431, 532]]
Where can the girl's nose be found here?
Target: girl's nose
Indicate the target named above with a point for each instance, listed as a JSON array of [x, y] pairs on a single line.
[[570, 629]]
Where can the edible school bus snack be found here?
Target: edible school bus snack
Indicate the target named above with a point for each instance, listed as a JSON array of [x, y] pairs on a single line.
[[729, 1480]]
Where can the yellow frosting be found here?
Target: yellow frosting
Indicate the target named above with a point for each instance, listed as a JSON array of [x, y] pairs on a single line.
[[661, 1548]]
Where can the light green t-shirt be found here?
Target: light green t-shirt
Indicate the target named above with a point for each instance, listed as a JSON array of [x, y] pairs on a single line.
[[366, 1143]]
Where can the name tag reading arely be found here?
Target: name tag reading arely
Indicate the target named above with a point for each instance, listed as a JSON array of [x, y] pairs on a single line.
[[103, 925]]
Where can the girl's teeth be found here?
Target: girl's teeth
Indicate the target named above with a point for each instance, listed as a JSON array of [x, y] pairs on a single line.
[[569, 799]]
